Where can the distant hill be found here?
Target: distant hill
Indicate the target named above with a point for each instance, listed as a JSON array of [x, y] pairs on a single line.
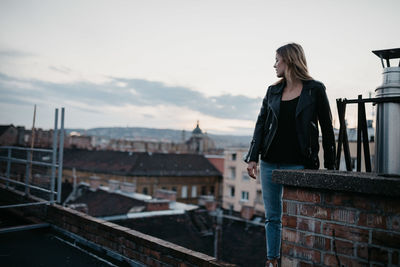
[[176, 136]]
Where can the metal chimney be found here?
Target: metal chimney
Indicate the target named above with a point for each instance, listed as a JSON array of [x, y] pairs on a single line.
[[387, 133]]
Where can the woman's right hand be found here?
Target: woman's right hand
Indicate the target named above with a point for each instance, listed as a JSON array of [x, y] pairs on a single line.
[[252, 169]]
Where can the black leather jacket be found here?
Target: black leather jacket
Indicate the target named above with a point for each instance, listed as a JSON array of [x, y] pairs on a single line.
[[313, 106]]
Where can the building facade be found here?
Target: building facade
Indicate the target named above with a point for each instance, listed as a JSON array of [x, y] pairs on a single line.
[[239, 189], [189, 175]]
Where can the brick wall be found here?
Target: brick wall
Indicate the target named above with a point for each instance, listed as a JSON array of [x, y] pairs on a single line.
[[132, 244], [156, 205], [331, 228]]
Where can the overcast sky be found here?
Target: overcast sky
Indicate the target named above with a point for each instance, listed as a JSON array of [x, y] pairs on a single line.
[[169, 63]]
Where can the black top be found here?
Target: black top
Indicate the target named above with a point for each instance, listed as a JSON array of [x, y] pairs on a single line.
[[285, 147]]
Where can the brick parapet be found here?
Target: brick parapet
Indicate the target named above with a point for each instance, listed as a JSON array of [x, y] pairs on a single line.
[[140, 247], [148, 250], [331, 227]]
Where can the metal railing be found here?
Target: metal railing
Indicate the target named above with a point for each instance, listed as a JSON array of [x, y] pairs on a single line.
[[29, 158], [362, 132]]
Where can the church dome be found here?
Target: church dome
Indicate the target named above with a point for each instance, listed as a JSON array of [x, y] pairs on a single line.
[[197, 130]]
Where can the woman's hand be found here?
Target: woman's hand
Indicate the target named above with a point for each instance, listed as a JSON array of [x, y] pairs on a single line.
[[252, 169]]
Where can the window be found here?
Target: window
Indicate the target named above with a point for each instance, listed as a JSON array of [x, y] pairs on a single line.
[[258, 196], [353, 163], [245, 176], [212, 190], [233, 156], [194, 191], [144, 191], [231, 191], [232, 173], [204, 190], [174, 188], [184, 191], [245, 196]]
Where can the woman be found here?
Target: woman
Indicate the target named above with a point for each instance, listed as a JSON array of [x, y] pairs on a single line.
[[286, 135]]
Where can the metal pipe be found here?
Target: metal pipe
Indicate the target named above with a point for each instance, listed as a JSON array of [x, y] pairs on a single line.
[[24, 205], [26, 148], [54, 157], [24, 227], [60, 157], [387, 136], [38, 163], [8, 165], [26, 185], [27, 172], [32, 143], [383, 65], [359, 135], [392, 99]]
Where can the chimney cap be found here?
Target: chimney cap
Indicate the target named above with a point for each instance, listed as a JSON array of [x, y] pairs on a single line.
[[388, 53]]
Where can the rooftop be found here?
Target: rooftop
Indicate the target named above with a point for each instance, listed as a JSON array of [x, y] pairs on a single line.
[[139, 163], [101, 203], [44, 247], [71, 238], [195, 230]]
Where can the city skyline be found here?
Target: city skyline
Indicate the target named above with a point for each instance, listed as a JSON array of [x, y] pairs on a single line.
[[168, 64]]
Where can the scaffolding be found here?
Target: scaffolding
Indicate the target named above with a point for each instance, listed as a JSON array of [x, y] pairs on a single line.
[[30, 158]]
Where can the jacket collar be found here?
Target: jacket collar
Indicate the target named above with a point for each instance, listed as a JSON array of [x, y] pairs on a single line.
[[276, 95], [278, 88], [304, 100], [305, 97]]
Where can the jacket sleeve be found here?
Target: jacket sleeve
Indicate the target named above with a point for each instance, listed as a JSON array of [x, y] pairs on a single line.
[[325, 121], [258, 135]]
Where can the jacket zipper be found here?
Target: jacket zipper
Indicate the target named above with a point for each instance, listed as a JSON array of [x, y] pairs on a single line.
[[247, 158], [273, 135]]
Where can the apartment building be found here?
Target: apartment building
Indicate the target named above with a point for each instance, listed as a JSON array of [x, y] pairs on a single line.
[[238, 188], [189, 175]]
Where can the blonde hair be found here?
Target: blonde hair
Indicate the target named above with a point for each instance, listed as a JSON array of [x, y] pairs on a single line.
[[293, 55]]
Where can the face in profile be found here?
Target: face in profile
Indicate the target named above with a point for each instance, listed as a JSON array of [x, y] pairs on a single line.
[[280, 66]]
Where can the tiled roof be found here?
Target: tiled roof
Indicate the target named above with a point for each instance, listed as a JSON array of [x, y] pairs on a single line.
[[139, 163], [4, 128], [101, 203]]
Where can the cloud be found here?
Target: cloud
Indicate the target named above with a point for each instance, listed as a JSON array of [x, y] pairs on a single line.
[[11, 53], [148, 116], [124, 92], [63, 70], [223, 106]]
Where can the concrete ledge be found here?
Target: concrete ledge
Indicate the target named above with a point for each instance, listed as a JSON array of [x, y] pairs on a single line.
[[359, 182]]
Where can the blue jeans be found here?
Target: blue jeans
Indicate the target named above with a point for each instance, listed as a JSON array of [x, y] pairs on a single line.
[[272, 196]]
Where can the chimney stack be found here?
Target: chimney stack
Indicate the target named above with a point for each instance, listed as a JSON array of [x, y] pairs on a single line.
[[387, 136], [165, 194], [128, 187], [247, 212], [94, 182], [113, 185]]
